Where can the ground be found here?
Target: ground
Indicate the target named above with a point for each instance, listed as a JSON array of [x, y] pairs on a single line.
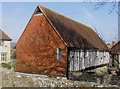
[[93, 77], [13, 79]]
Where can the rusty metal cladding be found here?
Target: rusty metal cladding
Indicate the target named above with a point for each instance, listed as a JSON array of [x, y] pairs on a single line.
[[37, 49]]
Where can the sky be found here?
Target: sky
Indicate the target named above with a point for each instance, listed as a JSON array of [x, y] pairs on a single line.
[[16, 15]]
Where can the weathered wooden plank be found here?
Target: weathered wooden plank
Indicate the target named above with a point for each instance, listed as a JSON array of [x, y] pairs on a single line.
[[81, 59]]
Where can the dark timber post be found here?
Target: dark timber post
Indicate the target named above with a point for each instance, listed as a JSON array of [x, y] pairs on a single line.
[[68, 63], [119, 21]]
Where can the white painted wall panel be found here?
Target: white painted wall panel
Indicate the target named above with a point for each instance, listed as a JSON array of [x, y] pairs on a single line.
[[5, 49], [81, 59]]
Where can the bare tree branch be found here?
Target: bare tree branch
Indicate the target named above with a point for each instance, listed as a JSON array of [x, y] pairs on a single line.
[[99, 5], [113, 7], [102, 4]]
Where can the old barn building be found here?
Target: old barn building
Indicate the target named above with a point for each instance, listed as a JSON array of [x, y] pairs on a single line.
[[53, 44], [115, 52]]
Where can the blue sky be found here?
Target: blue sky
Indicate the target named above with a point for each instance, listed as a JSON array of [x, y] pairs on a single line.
[[15, 16]]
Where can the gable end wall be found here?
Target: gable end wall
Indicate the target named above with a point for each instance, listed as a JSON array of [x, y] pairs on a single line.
[[37, 49]]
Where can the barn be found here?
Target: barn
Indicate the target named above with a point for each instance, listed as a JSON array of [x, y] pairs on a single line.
[[53, 44], [115, 52]]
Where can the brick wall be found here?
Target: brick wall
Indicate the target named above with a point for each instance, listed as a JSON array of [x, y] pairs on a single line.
[[37, 49]]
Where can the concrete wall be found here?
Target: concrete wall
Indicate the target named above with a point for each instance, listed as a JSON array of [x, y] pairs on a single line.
[[36, 49], [5, 48]]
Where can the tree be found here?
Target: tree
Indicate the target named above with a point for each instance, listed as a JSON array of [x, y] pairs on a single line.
[[114, 4], [13, 55], [112, 9]]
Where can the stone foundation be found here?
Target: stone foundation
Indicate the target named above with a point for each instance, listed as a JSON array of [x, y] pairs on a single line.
[[99, 70]]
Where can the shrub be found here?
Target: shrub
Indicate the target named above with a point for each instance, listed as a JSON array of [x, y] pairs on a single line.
[[5, 65], [14, 65], [13, 56], [9, 66], [106, 73]]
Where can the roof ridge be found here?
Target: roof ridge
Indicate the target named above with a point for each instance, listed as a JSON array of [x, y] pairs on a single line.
[[63, 25], [67, 17]]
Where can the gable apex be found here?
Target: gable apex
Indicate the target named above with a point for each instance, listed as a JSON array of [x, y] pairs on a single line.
[[38, 12]]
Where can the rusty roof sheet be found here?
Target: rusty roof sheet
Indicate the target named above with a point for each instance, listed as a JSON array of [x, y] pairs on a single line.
[[4, 36], [116, 48], [73, 33]]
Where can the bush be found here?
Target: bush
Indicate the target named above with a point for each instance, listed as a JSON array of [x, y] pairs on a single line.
[[5, 65], [13, 55], [14, 65], [106, 73]]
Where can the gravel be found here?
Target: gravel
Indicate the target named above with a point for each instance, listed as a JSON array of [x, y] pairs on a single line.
[[13, 79]]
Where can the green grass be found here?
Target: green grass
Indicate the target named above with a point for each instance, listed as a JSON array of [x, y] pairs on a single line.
[[106, 73], [76, 72]]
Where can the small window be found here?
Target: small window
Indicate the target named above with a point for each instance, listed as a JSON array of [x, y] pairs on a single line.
[[3, 57], [38, 12], [59, 53]]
